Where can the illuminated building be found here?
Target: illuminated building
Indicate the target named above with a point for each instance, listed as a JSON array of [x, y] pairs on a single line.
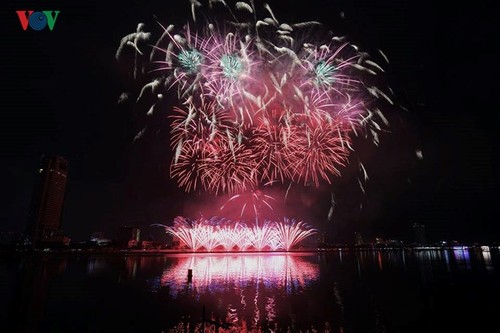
[[44, 220]]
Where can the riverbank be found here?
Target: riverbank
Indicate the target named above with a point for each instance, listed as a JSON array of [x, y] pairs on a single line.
[[120, 251]]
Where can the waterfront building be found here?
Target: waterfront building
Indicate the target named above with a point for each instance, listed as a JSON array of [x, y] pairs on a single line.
[[45, 213], [358, 239], [129, 236]]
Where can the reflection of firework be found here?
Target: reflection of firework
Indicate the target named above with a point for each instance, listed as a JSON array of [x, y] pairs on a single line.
[[285, 271], [257, 106], [226, 235], [252, 291]]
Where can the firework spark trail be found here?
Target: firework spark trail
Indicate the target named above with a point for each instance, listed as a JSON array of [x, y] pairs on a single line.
[[257, 105], [291, 233]]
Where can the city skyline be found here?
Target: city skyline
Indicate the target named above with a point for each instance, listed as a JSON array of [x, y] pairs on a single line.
[[437, 167]]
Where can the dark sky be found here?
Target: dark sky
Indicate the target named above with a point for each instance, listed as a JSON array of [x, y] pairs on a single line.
[[59, 91]]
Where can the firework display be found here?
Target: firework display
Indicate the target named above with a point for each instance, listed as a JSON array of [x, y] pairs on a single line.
[[218, 234], [259, 102]]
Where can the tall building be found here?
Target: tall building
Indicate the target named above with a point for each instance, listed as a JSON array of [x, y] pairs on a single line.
[[44, 221], [358, 239]]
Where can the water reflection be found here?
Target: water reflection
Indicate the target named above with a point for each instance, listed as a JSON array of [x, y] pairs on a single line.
[[462, 257], [213, 273], [31, 291], [487, 260], [250, 287], [337, 291], [263, 284]]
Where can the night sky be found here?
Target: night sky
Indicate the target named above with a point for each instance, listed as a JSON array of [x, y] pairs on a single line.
[[59, 92]]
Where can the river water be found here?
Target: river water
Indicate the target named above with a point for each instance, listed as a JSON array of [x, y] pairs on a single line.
[[454, 290]]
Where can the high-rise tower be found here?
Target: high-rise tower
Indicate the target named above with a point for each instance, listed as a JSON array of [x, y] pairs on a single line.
[[44, 225]]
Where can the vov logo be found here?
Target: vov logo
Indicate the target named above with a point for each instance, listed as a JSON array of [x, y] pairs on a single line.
[[37, 20]]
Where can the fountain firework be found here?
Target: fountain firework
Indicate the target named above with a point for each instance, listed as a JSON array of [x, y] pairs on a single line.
[[226, 235]]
